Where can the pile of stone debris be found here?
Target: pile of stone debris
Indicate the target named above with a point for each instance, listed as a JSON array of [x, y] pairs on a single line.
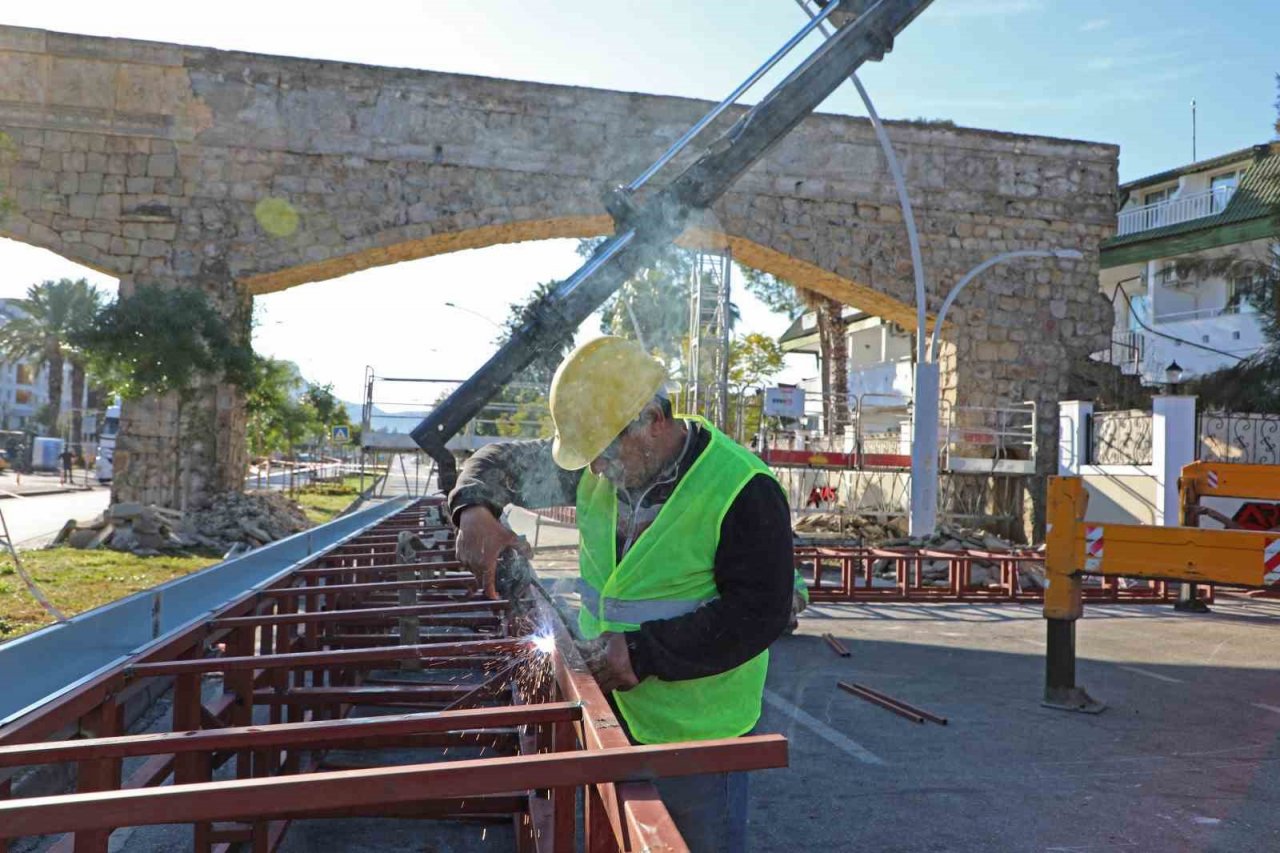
[[820, 525], [817, 528], [951, 539], [231, 523]]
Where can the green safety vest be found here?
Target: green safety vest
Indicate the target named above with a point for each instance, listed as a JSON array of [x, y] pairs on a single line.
[[668, 572]]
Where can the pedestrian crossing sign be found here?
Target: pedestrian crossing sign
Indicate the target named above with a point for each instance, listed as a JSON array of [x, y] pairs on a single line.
[[341, 434]]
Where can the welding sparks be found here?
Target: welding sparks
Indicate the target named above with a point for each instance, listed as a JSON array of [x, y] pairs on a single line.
[[544, 643]]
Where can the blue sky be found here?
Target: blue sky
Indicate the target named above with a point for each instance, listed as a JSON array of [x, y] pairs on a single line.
[[1120, 72]]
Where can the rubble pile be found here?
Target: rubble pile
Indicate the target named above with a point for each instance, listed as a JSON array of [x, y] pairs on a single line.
[[948, 538], [232, 523], [892, 534], [856, 526]]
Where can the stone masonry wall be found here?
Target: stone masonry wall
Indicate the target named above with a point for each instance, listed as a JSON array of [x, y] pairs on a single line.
[[246, 174]]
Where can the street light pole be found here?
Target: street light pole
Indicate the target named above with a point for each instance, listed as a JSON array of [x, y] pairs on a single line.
[[923, 517], [464, 309]]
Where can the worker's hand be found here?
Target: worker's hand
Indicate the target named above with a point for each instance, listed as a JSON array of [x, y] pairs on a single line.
[[481, 538], [609, 661]]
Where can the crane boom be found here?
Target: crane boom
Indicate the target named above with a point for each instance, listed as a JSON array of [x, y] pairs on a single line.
[[643, 226]]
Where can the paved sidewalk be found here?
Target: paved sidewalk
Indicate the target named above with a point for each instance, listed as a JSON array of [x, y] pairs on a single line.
[[14, 485]]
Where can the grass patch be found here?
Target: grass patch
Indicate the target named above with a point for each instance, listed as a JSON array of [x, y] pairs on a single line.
[[325, 501], [77, 581]]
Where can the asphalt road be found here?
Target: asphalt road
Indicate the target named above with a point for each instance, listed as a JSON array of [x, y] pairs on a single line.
[[34, 520]]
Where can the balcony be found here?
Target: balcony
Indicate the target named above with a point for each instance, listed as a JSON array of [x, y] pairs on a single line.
[[1176, 210]]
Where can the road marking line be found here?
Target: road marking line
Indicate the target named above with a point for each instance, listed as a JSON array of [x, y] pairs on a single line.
[[1150, 674], [1272, 708], [821, 729]]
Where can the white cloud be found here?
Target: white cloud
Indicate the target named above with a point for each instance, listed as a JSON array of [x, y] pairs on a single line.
[[1095, 25]]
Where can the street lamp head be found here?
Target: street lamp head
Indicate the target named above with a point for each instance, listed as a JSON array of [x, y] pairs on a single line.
[[1173, 373]]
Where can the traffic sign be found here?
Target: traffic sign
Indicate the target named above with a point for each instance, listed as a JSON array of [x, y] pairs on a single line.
[[341, 434]]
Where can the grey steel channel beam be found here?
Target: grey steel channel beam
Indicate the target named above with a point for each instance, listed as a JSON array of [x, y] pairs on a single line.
[[47, 663]]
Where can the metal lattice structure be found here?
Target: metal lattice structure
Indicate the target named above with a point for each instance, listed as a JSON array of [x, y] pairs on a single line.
[[707, 389], [280, 714]]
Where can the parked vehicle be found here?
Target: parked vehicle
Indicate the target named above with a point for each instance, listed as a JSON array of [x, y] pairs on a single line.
[[107, 444]]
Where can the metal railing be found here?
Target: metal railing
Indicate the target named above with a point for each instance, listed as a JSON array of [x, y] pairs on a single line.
[[1201, 313], [1126, 352], [1240, 437], [997, 438], [986, 439], [1171, 212], [1120, 438]]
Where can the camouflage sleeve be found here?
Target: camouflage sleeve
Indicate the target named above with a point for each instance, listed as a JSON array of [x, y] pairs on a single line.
[[513, 472]]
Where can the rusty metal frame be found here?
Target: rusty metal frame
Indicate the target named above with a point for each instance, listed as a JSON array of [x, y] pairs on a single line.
[[852, 567], [299, 659]]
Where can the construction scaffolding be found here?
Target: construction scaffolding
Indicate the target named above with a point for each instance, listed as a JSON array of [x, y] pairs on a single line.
[[707, 388]]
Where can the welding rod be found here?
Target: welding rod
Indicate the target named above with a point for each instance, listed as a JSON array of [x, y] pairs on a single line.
[[875, 699], [836, 645], [898, 705]]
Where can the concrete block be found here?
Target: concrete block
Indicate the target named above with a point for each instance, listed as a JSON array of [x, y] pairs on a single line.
[[162, 166], [23, 77], [83, 205], [75, 82], [90, 183]]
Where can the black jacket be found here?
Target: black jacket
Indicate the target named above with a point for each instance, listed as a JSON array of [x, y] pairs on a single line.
[[754, 565]]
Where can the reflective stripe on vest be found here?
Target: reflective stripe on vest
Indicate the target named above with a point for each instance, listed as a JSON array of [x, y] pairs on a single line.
[[640, 610]]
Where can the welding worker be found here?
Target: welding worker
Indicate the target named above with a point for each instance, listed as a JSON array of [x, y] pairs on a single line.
[[686, 563]]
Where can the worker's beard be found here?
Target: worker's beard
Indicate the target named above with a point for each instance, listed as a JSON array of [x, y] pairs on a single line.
[[616, 473]]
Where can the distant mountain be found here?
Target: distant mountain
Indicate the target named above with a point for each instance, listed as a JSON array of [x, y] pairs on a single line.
[[383, 421]]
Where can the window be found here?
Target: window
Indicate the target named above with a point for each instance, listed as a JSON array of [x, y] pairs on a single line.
[[1245, 293], [1222, 187], [1157, 216], [1158, 196], [23, 397], [1168, 274], [26, 375], [1137, 313]]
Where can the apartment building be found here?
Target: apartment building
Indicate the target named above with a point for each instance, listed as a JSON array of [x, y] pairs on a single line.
[[1192, 264], [24, 387]]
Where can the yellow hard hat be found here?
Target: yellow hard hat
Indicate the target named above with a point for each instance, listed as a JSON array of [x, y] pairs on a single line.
[[598, 389]]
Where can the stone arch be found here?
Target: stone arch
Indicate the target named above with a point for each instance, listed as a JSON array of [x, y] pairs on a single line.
[[151, 161]]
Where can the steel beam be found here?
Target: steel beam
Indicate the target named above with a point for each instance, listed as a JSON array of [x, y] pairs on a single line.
[[286, 795]]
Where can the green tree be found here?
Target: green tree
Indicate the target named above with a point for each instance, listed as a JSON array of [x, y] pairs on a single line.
[[778, 296], [272, 406], [161, 341], [40, 331], [518, 314], [329, 410], [754, 359]]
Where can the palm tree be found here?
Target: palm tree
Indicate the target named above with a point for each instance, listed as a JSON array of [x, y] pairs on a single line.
[[834, 348], [39, 331]]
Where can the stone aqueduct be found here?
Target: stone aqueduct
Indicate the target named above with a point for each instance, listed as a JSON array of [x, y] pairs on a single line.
[[146, 161]]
